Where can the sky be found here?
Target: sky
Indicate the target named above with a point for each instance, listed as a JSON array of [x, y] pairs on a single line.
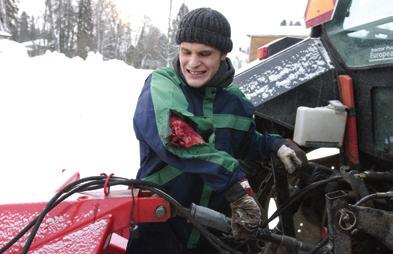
[[246, 17]]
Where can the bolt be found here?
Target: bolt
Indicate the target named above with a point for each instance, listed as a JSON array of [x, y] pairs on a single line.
[[354, 231], [346, 218], [160, 211]]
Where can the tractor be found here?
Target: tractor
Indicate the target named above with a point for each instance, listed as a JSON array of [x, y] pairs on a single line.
[[332, 90]]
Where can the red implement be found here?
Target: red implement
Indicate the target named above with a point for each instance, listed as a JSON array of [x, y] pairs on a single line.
[[91, 224]]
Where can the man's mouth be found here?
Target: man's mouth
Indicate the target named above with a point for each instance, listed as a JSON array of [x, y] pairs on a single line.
[[196, 74]]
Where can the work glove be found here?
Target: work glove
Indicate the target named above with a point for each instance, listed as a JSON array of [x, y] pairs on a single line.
[[246, 214], [290, 155]]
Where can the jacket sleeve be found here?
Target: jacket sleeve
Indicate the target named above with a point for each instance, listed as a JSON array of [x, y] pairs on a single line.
[[259, 146], [160, 98], [255, 146]]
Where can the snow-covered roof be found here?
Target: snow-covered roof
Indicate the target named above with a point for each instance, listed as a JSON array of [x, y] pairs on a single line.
[[31, 44], [282, 30], [4, 34]]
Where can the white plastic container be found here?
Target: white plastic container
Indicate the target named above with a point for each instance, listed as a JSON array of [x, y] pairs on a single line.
[[321, 126]]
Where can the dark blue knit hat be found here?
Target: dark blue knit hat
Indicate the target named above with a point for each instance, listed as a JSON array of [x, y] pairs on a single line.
[[207, 26]]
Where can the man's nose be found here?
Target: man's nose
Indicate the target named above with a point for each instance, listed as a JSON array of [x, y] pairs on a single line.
[[194, 61]]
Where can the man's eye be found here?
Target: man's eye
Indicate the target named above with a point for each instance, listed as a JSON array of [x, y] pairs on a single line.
[[205, 53]]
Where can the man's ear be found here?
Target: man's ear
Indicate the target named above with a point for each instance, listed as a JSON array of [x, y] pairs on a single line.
[[223, 56]]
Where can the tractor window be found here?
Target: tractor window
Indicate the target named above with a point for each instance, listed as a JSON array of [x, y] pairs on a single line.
[[362, 32], [383, 118]]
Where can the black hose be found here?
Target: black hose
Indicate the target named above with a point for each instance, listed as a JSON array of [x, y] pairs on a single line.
[[319, 246], [287, 241], [387, 194], [214, 240], [97, 182], [49, 206], [298, 195]]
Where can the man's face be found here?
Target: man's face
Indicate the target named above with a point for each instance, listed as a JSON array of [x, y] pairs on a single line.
[[199, 62]]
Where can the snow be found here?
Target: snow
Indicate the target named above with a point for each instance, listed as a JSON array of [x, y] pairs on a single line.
[[239, 59], [60, 116], [83, 241], [4, 34], [289, 71]]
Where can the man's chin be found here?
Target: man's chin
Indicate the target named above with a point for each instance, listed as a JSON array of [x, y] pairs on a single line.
[[196, 83]]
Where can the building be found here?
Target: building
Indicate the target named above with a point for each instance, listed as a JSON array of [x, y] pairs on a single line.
[[268, 35], [4, 35]]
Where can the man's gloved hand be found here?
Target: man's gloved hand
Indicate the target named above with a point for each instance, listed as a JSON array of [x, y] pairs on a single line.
[[290, 155], [246, 214], [246, 217]]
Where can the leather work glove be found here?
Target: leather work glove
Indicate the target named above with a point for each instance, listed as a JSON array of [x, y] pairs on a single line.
[[290, 155], [246, 214]]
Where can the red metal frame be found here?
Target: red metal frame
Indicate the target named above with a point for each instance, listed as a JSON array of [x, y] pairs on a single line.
[[94, 223], [351, 132], [262, 52]]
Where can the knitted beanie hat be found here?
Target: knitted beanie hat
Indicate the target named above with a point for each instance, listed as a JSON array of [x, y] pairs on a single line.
[[207, 26]]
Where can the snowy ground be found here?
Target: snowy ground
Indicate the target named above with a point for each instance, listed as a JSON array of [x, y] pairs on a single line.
[[60, 116]]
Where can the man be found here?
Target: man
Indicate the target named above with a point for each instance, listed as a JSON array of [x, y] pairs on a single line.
[[194, 125]]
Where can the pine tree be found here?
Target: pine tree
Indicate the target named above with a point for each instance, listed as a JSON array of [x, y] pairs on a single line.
[[50, 28], [148, 51], [23, 34], [67, 19], [106, 20], [109, 50], [123, 40], [12, 20], [2, 16], [9, 17], [33, 31], [85, 29], [59, 25], [172, 46], [183, 10]]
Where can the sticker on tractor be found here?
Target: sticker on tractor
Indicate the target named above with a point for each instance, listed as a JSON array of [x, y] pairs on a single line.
[[381, 54]]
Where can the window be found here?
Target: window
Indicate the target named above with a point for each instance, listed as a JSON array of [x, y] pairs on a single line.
[[362, 32], [383, 118]]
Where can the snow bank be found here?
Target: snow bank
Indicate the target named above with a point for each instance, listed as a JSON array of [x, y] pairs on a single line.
[[59, 113]]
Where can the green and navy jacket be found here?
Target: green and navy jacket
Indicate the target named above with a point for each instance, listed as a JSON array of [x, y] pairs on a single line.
[[221, 115]]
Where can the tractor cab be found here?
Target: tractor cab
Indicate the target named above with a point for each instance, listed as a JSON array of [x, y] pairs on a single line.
[[349, 58]]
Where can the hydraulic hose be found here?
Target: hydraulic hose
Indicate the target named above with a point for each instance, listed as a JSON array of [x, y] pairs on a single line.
[[387, 194], [98, 182], [220, 222], [287, 241], [299, 195]]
